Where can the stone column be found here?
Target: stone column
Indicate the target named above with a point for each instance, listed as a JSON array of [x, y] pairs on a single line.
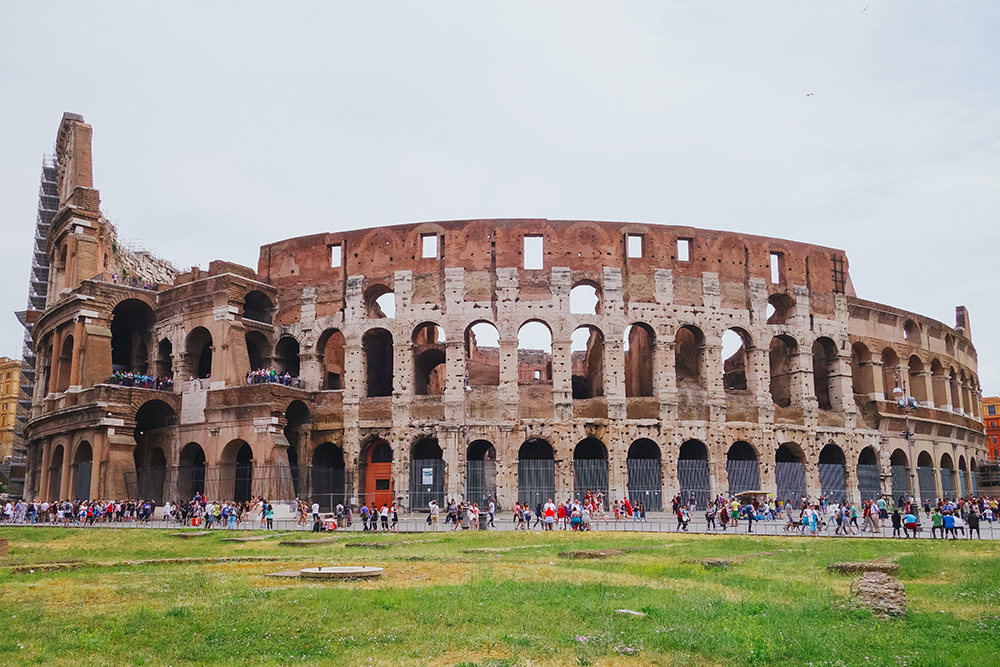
[[562, 379], [43, 490], [310, 371], [65, 481], [74, 372]]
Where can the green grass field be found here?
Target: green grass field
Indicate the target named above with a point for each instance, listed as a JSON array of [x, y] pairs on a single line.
[[521, 604]]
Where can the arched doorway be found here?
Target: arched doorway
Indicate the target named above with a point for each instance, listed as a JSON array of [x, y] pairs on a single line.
[[482, 355], [153, 438], [692, 473], [640, 351], [83, 463], [925, 477], [590, 468], [377, 346], [899, 466], [587, 361], [199, 351], [833, 473], [258, 348], [426, 473], [150, 472], [286, 356], [328, 476], [237, 466], [331, 346], [131, 321], [55, 473], [824, 354], [947, 477], [645, 479], [429, 360], [377, 473], [481, 472], [191, 472], [298, 426], [869, 475], [536, 472], [781, 355], [790, 473], [742, 468], [974, 475]]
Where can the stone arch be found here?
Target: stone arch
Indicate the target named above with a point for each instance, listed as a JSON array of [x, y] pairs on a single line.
[[926, 477], [585, 298], [427, 471], [376, 472], [693, 477], [534, 352], [236, 466], [328, 476], [742, 468], [590, 467], [963, 472], [482, 354], [947, 476], [911, 333], [131, 323], [736, 345], [65, 362], [833, 473], [380, 301], [55, 472], [640, 359], [258, 348], [82, 469], [779, 308], [899, 466], [297, 431], [890, 361], [257, 307], [790, 473], [939, 384], [645, 474], [480, 472], [689, 347], [918, 387], [286, 356], [587, 357], [154, 437], [869, 475], [164, 367], [199, 352], [536, 478], [824, 357], [862, 371], [332, 359], [378, 358], [781, 358], [429, 360]]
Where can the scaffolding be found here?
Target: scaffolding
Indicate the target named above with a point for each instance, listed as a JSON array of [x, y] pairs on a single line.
[[38, 284]]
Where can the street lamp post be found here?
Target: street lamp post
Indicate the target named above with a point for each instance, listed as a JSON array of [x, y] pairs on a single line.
[[906, 403]]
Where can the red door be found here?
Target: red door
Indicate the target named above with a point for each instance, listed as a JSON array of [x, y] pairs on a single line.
[[378, 474]]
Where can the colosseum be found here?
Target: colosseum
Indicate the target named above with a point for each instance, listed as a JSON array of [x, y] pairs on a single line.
[[517, 358]]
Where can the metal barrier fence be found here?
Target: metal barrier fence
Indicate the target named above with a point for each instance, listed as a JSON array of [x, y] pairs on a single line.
[[694, 479], [480, 481], [426, 482], [869, 481], [589, 475], [536, 481], [925, 477], [743, 476], [900, 482], [790, 480], [833, 481], [644, 483]]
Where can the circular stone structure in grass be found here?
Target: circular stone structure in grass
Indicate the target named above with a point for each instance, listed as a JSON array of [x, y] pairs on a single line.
[[342, 572]]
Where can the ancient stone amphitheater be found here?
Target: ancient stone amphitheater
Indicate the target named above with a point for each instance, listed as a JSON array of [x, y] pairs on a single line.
[[521, 359]]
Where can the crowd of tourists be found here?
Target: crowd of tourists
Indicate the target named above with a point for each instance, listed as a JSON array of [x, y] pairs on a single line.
[[272, 376], [141, 381], [79, 512]]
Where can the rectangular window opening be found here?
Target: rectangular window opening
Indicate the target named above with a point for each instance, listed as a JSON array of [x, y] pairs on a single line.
[[336, 256], [991, 409], [775, 267], [538, 375], [683, 250], [532, 252], [633, 244], [429, 246]]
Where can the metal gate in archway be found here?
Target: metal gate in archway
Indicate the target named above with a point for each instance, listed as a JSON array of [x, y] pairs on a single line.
[[869, 481], [947, 483], [480, 481], [833, 481], [536, 481], [426, 483], [83, 471], [645, 483], [590, 475], [693, 478], [928, 489], [961, 483], [900, 483], [790, 481], [743, 476]]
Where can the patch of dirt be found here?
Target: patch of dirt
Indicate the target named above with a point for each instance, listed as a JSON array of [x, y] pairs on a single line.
[[306, 543], [367, 545], [884, 595], [73, 565], [882, 565]]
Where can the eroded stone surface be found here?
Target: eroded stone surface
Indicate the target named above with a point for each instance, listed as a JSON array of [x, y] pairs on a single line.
[[878, 565], [882, 594]]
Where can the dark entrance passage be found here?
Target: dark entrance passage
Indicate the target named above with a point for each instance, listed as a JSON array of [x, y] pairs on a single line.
[[692, 473]]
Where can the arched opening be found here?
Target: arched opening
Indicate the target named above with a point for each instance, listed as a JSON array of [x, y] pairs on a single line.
[[328, 475], [963, 472], [956, 398], [790, 473], [890, 361], [377, 473], [191, 471], [286, 356], [55, 473], [918, 385], [911, 332], [781, 355], [429, 360], [735, 359], [164, 360], [153, 438], [298, 428], [590, 468], [534, 353], [65, 364], [258, 307], [481, 472], [869, 475], [331, 348], [131, 321], [833, 473], [639, 360], [779, 308], [689, 345], [587, 356], [377, 345], [742, 468], [899, 466], [83, 462], [925, 477], [824, 356], [692, 473], [237, 471], [939, 384], [426, 473], [947, 476], [645, 480], [585, 299], [258, 351], [380, 301], [536, 473], [199, 352], [482, 355], [862, 376]]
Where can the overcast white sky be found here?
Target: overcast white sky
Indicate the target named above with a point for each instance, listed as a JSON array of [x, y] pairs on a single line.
[[219, 127]]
